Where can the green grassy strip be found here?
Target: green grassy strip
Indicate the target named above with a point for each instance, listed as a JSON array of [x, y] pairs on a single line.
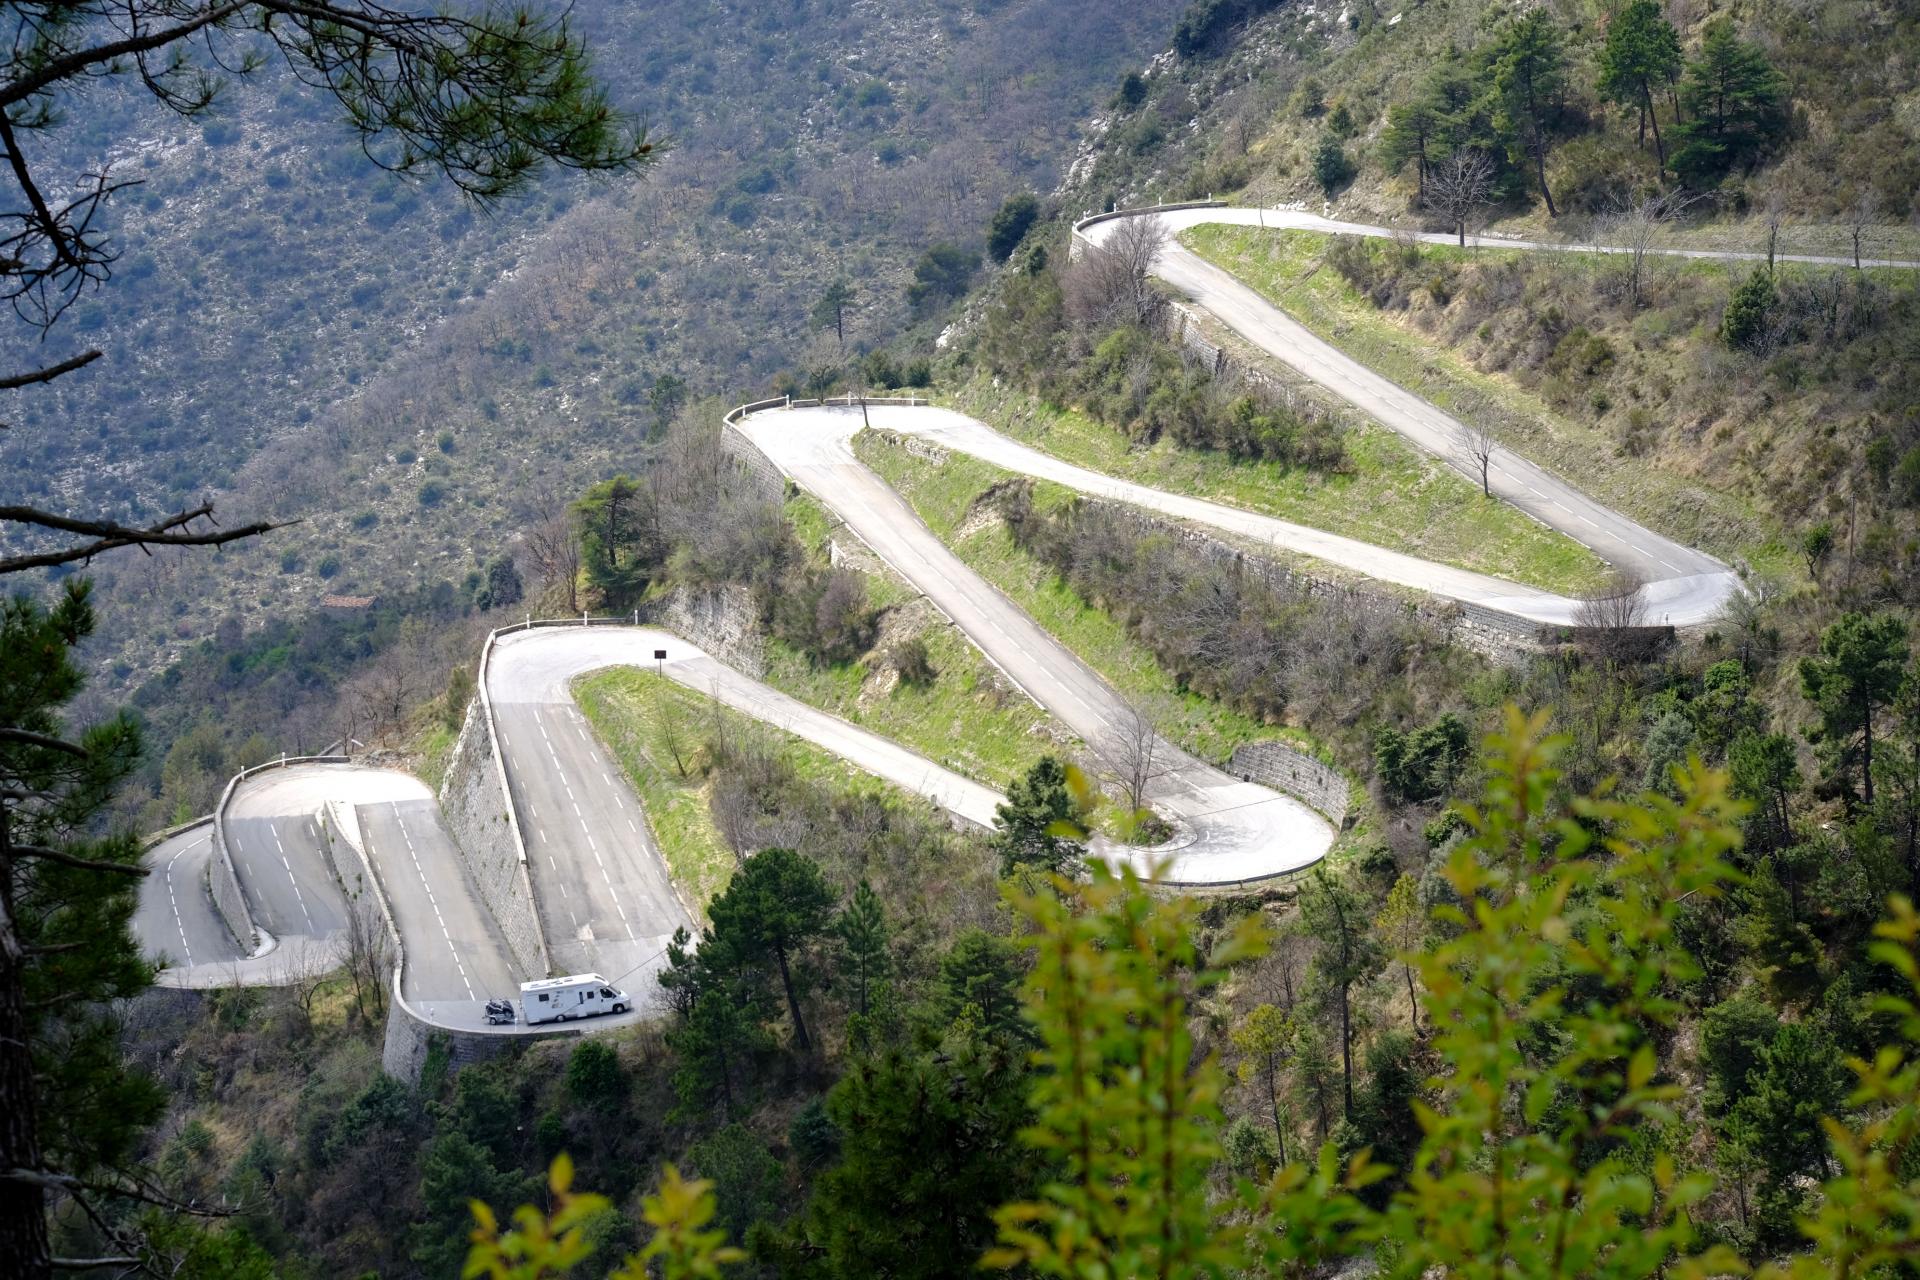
[[638, 715], [1288, 268], [943, 494], [635, 714], [1395, 496], [966, 718]]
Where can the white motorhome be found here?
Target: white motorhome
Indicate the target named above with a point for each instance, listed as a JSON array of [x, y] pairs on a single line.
[[580, 996]]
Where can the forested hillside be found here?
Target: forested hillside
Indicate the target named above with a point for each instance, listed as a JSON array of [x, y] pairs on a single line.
[[301, 336], [1610, 968]]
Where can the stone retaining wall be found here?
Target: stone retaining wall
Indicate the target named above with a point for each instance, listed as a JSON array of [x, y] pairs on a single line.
[[1284, 768], [766, 477], [475, 808], [720, 620], [410, 1041]]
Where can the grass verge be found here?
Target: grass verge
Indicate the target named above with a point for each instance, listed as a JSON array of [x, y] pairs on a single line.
[[642, 717], [1395, 496], [1288, 269], [943, 495], [967, 717]]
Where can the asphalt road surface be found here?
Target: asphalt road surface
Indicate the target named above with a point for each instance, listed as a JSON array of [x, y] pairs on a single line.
[[1682, 586], [1229, 830], [175, 918], [600, 885], [455, 951]]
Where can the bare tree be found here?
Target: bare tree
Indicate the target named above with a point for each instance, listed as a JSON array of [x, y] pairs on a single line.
[[1460, 186], [1608, 616], [1636, 224], [1475, 443], [366, 952], [1132, 756], [553, 548], [1111, 283], [1861, 216], [666, 711], [1774, 211]]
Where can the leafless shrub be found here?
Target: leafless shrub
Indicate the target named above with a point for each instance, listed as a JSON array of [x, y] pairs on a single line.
[[1609, 618], [553, 549], [1636, 223], [1475, 444], [1111, 283], [366, 951]]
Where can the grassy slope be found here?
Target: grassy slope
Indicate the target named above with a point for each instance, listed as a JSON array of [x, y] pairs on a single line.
[[943, 494], [634, 712], [1396, 497], [1287, 268], [968, 719]]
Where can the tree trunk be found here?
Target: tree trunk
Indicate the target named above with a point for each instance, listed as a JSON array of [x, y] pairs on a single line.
[[1866, 752], [1413, 1001], [1273, 1104], [23, 1205], [1463, 233], [1540, 168], [800, 1037], [1346, 1051], [1659, 148]]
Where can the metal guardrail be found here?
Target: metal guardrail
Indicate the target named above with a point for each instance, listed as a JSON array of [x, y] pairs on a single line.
[[740, 411], [1111, 214]]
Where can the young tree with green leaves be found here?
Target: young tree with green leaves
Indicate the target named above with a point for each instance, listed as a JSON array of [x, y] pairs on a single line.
[[542, 1245], [1265, 1040], [1529, 76], [1735, 105], [1641, 54], [1861, 667], [1348, 955], [1403, 931]]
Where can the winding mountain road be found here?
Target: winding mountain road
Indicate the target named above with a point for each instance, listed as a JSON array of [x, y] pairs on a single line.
[[1682, 586], [601, 888], [1229, 830]]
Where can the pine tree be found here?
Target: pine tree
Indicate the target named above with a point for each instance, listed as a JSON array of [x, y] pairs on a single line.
[[1348, 955], [1642, 52], [1529, 75], [1412, 133], [1861, 667], [1736, 108], [776, 907], [1748, 318], [980, 981], [863, 941], [1039, 822], [72, 1109], [928, 1149]]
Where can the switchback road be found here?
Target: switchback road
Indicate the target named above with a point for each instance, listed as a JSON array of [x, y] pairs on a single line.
[[1682, 586]]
